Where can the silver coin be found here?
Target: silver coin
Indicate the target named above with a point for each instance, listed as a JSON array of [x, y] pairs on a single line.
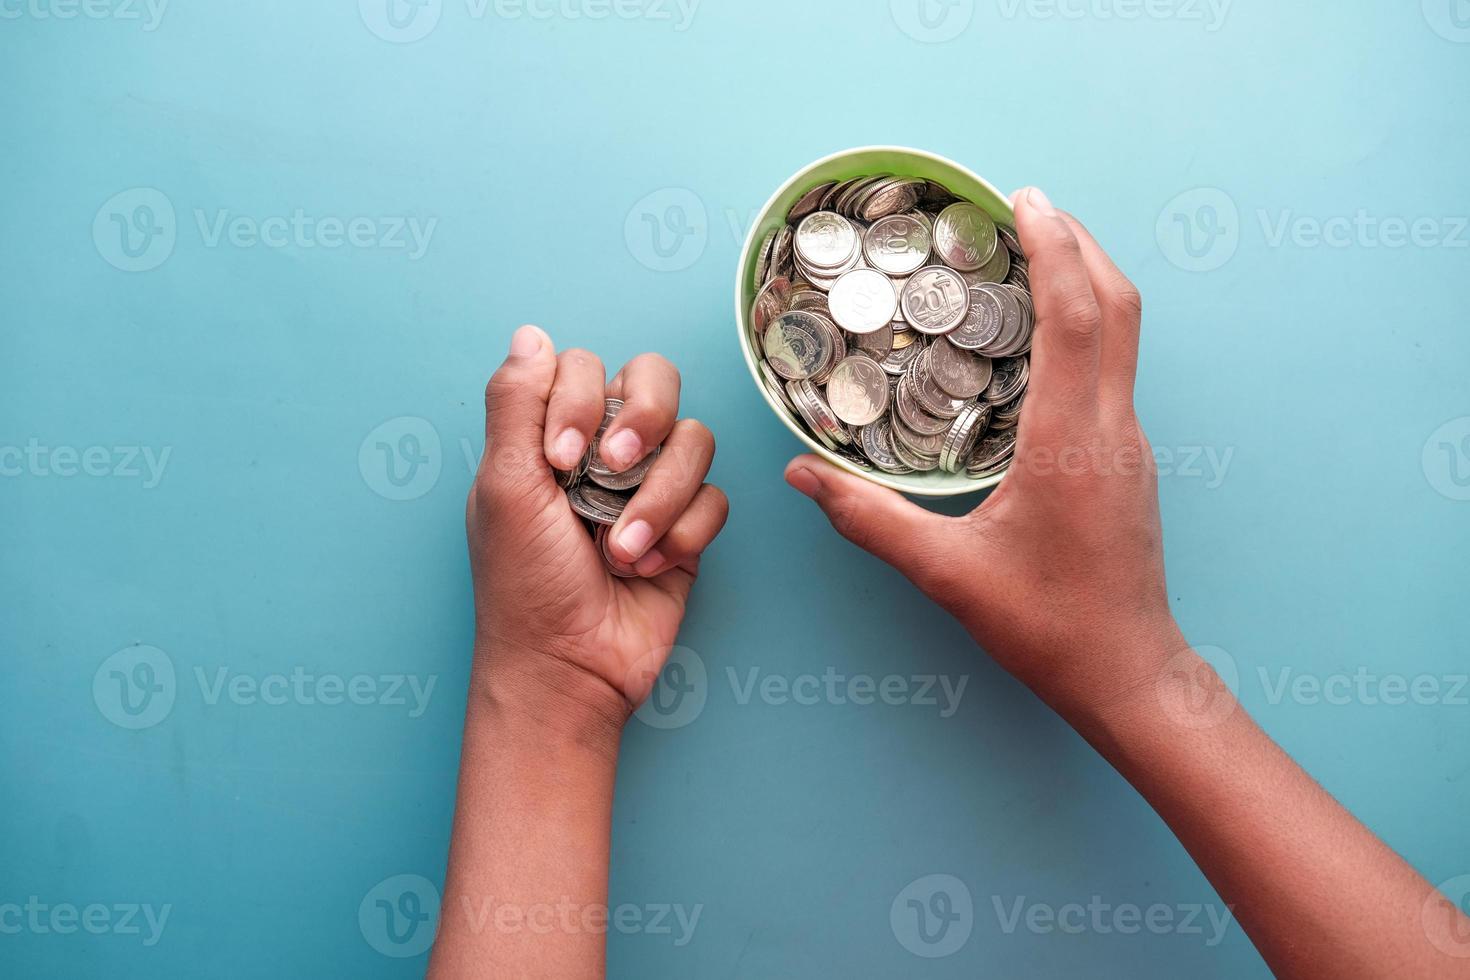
[[876, 441], [809, 298], [897, 245], [781, 252], [876, 344], [983, 321], [930, 397], [1010, 239], [964, 236], [919, 445], [818, 414], [837, 351], [595, 512], [599, 472], [855, 192], [808, 202], [995, 270], [961, 437], [1009, 378], [606, 500], [899, 194], [959, 372], [763, 257], [776, 386], [797, 345], [899, 359], [907, 410], [600, 538], [770, 302], [857, 391], [829, 200], [825, 279], [863, 301], [826, 240], [935, 195], [804, 413], [935, 300], [991, 453], [912, 460], [1012, 319]]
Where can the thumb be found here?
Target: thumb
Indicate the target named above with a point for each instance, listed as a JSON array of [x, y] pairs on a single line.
[[874, 518], [515, 408]]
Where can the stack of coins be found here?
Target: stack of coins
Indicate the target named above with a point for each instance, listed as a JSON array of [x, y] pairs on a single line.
[[894, 322], [598, 494]]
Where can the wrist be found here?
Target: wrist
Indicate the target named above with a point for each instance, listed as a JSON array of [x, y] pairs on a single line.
[[543, 699], [1122, 682]]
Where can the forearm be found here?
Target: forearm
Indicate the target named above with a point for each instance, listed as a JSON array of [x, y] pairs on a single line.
[[1315, 890], [526, 890]]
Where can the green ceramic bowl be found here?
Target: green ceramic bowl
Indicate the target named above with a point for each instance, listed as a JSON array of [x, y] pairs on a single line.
[[839, 166]]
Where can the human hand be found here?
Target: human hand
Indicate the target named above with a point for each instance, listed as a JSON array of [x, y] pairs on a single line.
[[1059, 574], [552, 623]]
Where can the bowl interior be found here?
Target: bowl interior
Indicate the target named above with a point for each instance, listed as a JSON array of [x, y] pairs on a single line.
[[840, 166]]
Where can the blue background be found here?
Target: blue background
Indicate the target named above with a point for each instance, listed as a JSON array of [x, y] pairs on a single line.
[[1331, 544]]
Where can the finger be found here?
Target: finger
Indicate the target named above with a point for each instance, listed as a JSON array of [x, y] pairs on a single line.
[[649, 388], [689, 534], [874, 518], [1122, 313], [515, 406], [576, 406], [666, 492], [1064, 356]]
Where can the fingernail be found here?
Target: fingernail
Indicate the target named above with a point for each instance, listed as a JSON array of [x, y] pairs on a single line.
[[525, 342], [568, 448], [622, 448], [635, 538], [649, 563], [805, 481], [1040, 202]]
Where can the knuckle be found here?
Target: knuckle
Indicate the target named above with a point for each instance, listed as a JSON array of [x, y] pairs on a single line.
[[585, 407], [655, 362], [1078, 318], [504, 385], [1127, 300], [696, 433], [718, 500], [656, 501], [582, 358]]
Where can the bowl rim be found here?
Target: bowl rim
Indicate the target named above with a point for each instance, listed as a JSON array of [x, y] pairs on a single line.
[[891, 481]]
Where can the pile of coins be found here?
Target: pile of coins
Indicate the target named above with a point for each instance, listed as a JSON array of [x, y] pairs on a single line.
[[598, 494], [894, 321]]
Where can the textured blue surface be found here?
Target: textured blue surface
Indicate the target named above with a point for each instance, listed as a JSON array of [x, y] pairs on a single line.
[[544, 151]]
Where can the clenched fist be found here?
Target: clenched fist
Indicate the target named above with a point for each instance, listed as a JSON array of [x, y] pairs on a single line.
[[553, 624]]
